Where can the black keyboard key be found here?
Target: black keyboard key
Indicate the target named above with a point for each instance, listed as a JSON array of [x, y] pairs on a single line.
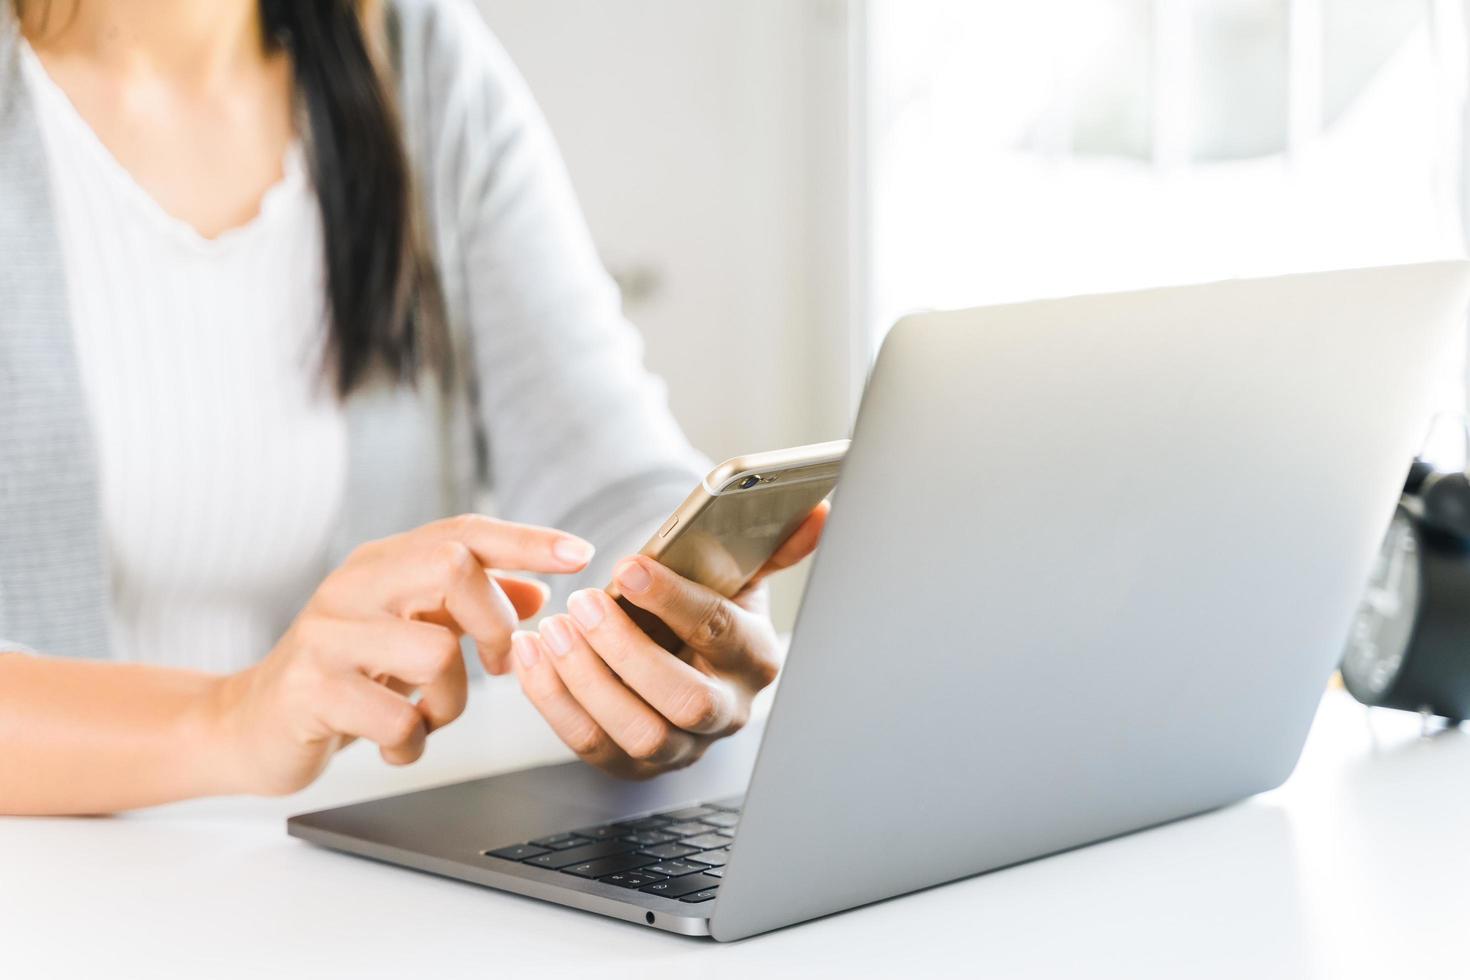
[[717, 858], [716, 872], [721, 819], [679, 887], [632, 879], [576, 855], [690, 813], [684, 829], [647, 823], [607, 865], [517, 852], [703, 896], [671, 850], [705, 842], [674, 869], [647, 838], [561, 842], [607, 832], [555, 839]]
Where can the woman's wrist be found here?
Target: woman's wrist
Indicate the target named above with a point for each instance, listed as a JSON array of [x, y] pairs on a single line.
[[213, 740]]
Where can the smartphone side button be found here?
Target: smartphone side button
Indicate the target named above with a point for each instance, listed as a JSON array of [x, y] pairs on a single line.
[[669, 525]]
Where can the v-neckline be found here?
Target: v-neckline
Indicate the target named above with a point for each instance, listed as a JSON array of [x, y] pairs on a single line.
[[293, 168]]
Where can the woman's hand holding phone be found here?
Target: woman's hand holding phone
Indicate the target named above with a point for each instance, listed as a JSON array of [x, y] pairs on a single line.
[[620, 700]]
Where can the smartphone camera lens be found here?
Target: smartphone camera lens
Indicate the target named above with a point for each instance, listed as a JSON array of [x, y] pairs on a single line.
[[749, 482]]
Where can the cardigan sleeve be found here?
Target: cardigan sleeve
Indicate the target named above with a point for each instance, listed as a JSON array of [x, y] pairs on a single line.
[[576, 433]]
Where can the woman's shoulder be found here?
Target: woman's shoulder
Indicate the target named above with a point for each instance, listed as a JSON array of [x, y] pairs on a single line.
[[445, 51], [460, 94], [440, 24]]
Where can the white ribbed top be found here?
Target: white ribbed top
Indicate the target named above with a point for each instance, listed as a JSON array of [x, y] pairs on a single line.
[[222, 454]]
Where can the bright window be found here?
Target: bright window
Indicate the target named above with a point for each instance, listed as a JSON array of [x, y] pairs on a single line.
[[1053, 147]]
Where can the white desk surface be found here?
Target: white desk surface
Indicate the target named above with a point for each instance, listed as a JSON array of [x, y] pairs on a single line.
[[1357, 867]]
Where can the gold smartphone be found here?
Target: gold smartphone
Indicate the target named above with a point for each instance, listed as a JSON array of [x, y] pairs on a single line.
[[735, 520]]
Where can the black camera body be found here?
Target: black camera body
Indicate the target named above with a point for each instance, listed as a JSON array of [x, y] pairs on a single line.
[[1409, 646]]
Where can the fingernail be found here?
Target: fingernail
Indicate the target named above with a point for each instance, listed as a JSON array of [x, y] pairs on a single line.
[[503, 605], [525, 648], [585, 609], [573, 551], [554, 631], [633, 577]]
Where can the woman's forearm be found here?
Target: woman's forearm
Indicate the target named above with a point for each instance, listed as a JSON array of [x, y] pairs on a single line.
[[87, 737]]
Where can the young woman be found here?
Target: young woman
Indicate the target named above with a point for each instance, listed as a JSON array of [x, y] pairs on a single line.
[[278, 277]]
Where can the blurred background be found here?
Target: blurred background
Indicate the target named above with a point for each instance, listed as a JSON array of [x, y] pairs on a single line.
[[774, 182]]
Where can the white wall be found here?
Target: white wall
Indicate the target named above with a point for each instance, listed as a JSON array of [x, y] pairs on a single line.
[[706, 140]]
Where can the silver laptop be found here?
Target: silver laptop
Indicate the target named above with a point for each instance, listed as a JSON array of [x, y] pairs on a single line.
[[1090, 564]]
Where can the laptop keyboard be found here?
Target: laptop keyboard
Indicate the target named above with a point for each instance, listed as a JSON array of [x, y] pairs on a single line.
[[678, 854]]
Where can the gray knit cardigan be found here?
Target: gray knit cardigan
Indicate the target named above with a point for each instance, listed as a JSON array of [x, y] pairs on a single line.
[[551, 410]]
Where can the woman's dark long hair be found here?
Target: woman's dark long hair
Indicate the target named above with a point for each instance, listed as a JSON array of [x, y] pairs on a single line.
[[385, 309]]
